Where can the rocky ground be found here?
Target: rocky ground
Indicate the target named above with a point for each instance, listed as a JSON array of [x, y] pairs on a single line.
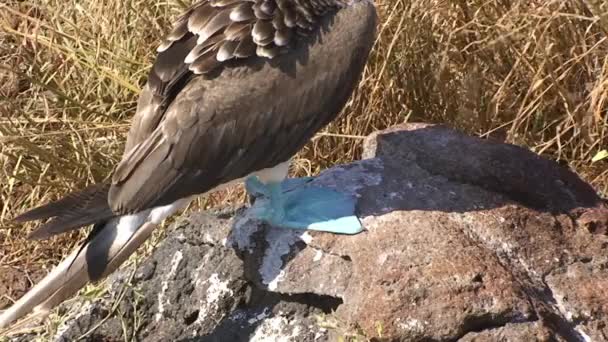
[[466, 240]]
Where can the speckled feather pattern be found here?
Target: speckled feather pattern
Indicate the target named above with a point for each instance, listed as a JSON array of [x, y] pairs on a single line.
[[228, 29]]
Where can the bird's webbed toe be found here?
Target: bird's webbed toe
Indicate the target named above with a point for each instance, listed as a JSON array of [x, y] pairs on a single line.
[[296, 204]]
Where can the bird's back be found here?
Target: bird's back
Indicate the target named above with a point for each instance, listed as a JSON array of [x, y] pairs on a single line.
[[245, 114]]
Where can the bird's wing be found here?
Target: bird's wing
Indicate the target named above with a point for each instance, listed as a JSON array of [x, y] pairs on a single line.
[[210, 34], [77, 209], [216, 108]]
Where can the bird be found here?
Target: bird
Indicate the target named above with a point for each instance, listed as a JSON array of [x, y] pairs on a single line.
[[237, 88]]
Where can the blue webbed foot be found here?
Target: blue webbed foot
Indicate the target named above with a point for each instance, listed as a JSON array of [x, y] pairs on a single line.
[[292, 204]]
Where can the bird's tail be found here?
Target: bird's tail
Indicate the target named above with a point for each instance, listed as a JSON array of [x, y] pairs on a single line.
[[110, 243], [77, 209]]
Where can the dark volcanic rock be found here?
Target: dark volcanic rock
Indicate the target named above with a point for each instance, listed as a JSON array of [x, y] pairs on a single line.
[[193, 288], [501, 168], [529, 332], [466, 239]]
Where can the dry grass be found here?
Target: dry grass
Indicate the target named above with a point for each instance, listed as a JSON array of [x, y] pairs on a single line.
[[533, 73]]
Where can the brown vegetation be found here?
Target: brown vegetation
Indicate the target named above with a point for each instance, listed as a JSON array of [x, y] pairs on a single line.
[[534, 73]]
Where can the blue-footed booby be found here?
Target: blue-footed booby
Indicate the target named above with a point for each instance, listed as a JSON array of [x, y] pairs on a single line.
[[237, 88]]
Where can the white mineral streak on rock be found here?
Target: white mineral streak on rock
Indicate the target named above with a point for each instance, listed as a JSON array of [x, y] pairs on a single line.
[[177, 258], [276, 329], [216, 290]]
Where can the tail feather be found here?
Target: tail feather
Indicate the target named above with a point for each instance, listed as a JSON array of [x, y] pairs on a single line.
[[76, 210], [109, 244], [104, 252]]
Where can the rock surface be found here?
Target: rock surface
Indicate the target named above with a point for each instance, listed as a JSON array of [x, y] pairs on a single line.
[[466, 239]]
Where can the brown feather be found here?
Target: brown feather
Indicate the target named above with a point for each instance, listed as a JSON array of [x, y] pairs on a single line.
[[165, 67], [223, 3], [164, 45], [219, 21], [203, 48], [278, 21], [237, 31], [204, 63], [257, 11], [282, 37], [289, 13], [200, 17], [179, 31], [268, 7], [290, 17], [304, 10], [242, 12], [263, 32], [77, 209], [245, 48], [130, 160], [269, 51], [226, 51]]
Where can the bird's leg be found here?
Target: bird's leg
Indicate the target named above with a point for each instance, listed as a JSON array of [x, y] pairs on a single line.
[[268, 198], [292, 203]]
